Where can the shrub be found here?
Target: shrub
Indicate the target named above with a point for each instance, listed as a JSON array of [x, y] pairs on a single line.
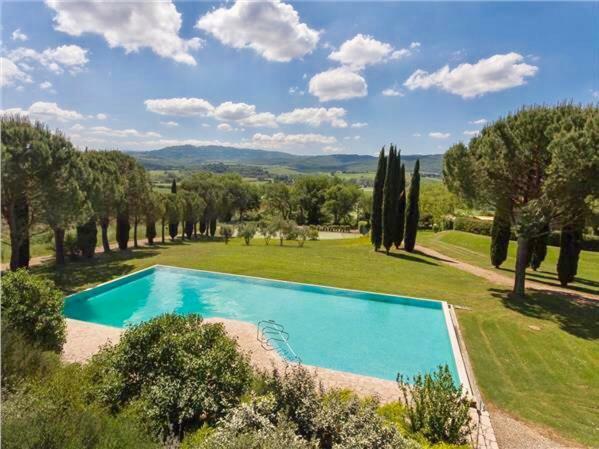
[[265, 228], [226, 232], [33, 307], [53, 414], [178, 371], [71, 246], [473, 225], [302, 235], [313, 233], [247, 231], [363, 227], [436, 407]]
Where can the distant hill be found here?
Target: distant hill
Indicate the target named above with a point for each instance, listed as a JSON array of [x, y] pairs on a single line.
[[200, 157]]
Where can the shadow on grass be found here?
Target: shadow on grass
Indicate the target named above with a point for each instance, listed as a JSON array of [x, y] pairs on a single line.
[[78, 274], [407, 256], [577, 316], [548, 278]]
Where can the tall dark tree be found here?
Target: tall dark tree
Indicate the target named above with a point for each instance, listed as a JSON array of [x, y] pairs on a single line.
[[569, 252], [413, 213], [122, 229], [174, 186], [173, 224], [376, 216], [87, 238], [401, 208], [500, 235], [539, 249], [390, 200], [212, 228]]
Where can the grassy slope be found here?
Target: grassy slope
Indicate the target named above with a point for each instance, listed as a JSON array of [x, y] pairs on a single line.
[[474, 249], [547, 376]]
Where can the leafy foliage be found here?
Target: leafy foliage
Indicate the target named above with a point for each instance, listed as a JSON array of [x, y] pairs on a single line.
[[33, 307], [247, 231], [176, 370], [436, 407]]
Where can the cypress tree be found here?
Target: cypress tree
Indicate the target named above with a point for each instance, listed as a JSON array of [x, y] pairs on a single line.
[[401, 207], [567, 263], [122, 230], [539, 249], [151, 231], [203, 225], [87, 238], [212, 227], [413, 213], [390, 200], [500, 236], [376, 216], [173, 225]]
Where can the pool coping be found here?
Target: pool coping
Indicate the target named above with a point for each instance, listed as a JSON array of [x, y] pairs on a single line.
[[449, 323]]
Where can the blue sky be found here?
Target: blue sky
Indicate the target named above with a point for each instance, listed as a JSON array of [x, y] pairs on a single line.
[[306, 77]]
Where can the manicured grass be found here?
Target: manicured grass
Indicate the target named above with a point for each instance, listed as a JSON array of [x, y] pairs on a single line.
[[474, 249], [547, 376]]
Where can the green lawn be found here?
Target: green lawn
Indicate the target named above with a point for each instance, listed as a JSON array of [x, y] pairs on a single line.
[[547, 376], [474, 249]]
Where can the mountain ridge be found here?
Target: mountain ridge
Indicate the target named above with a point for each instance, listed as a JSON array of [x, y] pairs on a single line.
[[196, 157]]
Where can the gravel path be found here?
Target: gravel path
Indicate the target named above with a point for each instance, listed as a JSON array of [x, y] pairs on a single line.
[[500, 279]]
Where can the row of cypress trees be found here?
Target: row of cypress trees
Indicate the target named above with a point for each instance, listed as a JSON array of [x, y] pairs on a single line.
[[394, 217]]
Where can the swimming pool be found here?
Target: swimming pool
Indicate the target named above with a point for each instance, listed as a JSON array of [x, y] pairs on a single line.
[[359, 332]]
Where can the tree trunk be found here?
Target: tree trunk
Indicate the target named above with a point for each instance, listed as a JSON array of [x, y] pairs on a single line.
[[135, 245], [195, 231], [59, 246], [521, 263], [19, 235], [104, 222], [162, 235]]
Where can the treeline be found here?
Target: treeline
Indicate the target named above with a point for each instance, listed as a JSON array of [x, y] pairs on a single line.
[[395, 209], [539, 169], [47, 181]]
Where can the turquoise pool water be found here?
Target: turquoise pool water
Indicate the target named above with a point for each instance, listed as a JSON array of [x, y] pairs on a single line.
[[364, 333]]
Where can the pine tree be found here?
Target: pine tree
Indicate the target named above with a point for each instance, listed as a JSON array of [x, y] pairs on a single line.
[[500, 236], [376, 216], [413, 213], [567, 263], [538, 250], [401, 208], [390, 200]]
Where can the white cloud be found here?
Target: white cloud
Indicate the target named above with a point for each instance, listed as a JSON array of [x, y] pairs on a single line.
[[392, 92], [363, 50], [119, 133], [359, 125], [183, 107], [224, 127], [314, 117], [170, 124], [332, 149], [271, 28], [234, 111], [294, 90], [416, 135], [44, 111], [262, 119], [471, 133], [10, 74], [65, 57], [480, 121], [338, 84], [46, 85], [291, 139], [493, 74], [439, 135], [351, 138], [415, 45], [130, 25], [595, 93], [205, 125], [17, 35], [101, 116]]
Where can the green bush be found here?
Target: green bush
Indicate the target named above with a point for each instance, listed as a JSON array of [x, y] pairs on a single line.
[[226, 232], [33, 307], [363, 227], [22, 361], [247, 231], [473, 225], [53, 414], [436, 407], [177, 371]]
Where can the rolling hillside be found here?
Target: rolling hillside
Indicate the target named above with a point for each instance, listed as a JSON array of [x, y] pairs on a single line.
[[192, 157]]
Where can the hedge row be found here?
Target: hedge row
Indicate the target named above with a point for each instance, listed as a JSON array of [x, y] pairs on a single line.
[[334, 228], [483, 227]]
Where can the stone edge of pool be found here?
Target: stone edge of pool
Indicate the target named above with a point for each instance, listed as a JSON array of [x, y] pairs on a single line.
[[459, 359]]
